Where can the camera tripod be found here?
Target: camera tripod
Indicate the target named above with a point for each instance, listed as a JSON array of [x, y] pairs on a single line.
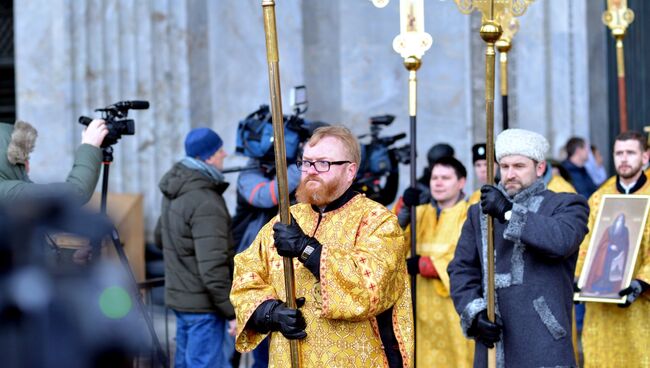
[[107, 159]]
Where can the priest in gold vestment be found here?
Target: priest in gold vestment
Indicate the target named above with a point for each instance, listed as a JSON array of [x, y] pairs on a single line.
[[350, 272], [618, 335], [439, 338]]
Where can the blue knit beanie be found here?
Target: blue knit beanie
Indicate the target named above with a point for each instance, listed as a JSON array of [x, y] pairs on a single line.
[[202, 143]]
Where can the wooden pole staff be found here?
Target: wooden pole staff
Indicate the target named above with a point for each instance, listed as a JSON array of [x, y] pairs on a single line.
[[277, 118]]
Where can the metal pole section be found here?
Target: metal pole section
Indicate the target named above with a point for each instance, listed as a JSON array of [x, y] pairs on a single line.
[[412, 64], [620, 73], [618, 17], [504, 47], [490, 33], [270, 32]]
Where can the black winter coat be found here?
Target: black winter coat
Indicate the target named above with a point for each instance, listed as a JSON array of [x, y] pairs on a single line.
[[194, 230], [536, 253]]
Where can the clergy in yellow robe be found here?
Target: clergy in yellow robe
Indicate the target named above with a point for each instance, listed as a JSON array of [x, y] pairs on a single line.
[[557, 184], [614, 336], [358, 309], [475, 197], [439, 337]]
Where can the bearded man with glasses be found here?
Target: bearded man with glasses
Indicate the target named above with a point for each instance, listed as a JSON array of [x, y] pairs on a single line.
[[354, 303]]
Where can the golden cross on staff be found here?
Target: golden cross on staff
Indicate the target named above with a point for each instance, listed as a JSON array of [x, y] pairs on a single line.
[[411, 44], [492, 11], [273, 61], [510, 26], [618, 17]]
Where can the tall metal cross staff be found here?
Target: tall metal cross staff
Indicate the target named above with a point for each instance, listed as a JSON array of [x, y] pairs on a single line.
[[411, 44], [510, 26], [618, 17], [490, 32], [273, 60]]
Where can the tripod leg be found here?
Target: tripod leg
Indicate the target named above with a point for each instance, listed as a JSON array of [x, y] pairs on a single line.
[[125, 263]]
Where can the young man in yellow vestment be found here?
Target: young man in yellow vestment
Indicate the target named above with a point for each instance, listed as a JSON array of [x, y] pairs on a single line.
[[350, 271], [618, 335], [439, 337], [479, 161]]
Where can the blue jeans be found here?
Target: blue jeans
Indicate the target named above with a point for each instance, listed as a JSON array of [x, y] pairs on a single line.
[[199, 340], [261, 354]]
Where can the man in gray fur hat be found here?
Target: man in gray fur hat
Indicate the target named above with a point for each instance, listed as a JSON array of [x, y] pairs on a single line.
[[537, 235], [17, 143]]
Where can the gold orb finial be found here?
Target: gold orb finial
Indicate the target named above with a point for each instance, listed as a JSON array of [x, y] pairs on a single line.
[[490, 31], [412, 63]]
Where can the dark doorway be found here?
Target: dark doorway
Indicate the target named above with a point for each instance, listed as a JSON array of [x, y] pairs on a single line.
[[7, 79]]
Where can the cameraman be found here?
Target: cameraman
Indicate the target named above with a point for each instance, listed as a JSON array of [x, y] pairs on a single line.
[[17, 143], [257, 203], [257, 199]]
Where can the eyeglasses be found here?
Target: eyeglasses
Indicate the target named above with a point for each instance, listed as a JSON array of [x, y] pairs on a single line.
[[320, 166]]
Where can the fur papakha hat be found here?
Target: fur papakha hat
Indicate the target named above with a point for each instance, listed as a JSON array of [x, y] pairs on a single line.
[[521, 142], [23, 139]]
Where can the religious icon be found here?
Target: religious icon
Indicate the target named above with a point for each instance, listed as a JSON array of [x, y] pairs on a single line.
[[613, 249]]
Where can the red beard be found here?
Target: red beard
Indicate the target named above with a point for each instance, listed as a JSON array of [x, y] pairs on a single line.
[[320, 196]]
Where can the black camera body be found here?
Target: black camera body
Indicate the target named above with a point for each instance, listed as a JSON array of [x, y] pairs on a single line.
[[116, 120], [378, 175]]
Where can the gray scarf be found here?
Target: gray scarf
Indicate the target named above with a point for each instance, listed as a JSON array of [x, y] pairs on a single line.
[[206, 169], [528, 200]]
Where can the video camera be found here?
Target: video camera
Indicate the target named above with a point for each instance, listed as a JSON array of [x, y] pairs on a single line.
[[380, 161], [116, 121], [255, 132]]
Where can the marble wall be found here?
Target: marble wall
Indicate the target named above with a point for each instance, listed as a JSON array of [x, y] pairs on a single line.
[[203, 62]]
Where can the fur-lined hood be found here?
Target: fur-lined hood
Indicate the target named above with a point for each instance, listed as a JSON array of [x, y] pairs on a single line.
[[16, 144]]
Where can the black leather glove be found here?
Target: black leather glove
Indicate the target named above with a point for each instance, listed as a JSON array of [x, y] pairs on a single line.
[[274, 315], [411, 196], [290, 240], [636, 288], [494, 203], [413, 265], [484, 331]]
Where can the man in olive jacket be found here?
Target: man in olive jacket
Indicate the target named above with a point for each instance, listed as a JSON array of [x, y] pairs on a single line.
[[17, 142], [194, 230]]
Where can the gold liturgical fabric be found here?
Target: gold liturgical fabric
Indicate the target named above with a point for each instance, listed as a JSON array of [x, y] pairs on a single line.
[[363, 273], [440, 339], [614, 336]]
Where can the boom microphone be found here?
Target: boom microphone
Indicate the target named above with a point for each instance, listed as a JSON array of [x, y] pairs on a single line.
[[134, 105]]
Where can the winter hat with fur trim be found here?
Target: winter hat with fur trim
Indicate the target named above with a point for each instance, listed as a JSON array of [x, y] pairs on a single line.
[[23, 139], [521, 142]]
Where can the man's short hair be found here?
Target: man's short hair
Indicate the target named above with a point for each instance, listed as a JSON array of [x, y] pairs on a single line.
[[573, 144], [344, 135], [452, 162], [633, 135]]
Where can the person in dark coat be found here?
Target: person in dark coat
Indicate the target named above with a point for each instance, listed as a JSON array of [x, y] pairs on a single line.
[[537, 234], [194, 230], [577, 155]]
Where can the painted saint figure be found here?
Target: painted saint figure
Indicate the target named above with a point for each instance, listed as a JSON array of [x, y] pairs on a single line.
[[608, 266]]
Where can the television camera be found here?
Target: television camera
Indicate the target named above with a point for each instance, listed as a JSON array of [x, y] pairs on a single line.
[[255, 133], [378, 175]]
